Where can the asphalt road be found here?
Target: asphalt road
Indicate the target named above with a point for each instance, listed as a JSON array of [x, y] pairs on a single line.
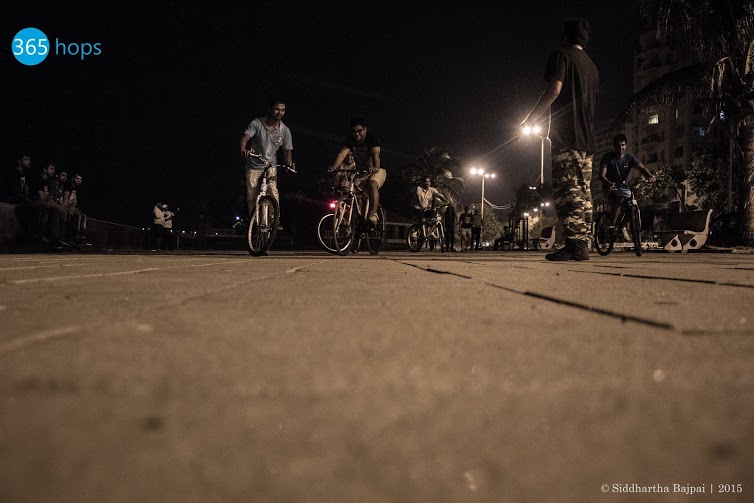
[[400, 377]]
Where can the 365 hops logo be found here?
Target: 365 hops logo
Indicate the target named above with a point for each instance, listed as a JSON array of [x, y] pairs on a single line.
[[31, 46]]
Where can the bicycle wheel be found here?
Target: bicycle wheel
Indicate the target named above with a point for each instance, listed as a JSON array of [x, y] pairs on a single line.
[[635, 224], [342, 227], [603, 240], [375, 233], [441, 237], [325, 233], [263, 226], [414, 239]]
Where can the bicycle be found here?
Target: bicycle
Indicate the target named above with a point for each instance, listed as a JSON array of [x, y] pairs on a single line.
[[350, 223], [629, 220], [263, 221], [429, 234]]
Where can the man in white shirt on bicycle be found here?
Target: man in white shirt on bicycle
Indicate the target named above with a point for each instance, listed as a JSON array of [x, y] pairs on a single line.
[[265, 136], [427, 197]]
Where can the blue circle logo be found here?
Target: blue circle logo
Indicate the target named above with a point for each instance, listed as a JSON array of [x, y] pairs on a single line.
[[30, 46]]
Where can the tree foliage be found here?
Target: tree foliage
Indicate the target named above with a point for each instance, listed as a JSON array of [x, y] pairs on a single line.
[[438, 164]]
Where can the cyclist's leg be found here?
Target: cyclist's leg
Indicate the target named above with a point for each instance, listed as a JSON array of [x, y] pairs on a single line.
[[373, 184], [272, 189], [253, 181]]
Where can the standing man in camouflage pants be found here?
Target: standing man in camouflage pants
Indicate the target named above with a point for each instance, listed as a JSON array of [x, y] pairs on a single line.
[[572, 89]]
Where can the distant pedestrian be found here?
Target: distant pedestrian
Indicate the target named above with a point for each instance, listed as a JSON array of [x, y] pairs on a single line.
[[466, 223], [476, 230], [449, 222], [158, 226]]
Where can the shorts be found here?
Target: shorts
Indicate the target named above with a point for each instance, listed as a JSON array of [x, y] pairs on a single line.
[[379, 177], [620, 190]]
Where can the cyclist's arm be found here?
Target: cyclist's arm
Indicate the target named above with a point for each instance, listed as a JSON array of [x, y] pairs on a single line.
[[244, 142], [603, 175], [288, 158], [340, 158], [644, 171], [375, 153]]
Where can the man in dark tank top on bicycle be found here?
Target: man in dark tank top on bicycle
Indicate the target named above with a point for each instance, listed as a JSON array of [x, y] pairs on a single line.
[[365, 147], [615, 167]]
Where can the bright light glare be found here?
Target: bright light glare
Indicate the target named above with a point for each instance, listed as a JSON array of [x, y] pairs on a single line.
[[526, 129], [536, 129], [333, 204]]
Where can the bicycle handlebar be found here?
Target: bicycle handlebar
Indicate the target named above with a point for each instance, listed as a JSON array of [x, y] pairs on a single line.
[[268, 164]]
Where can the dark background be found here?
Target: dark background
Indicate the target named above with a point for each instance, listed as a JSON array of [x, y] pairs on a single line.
[[159, 114]]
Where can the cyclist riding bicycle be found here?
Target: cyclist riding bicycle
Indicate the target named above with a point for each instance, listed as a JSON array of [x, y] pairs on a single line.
[[615, 167], [365, 148], [426, 202], [265, 136]]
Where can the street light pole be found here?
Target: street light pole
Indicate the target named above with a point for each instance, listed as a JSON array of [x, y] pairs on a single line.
[[535, 130], [480, 172], [483, 177]]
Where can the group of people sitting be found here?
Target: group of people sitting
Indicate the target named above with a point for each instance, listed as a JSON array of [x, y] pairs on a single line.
[[49, 204]]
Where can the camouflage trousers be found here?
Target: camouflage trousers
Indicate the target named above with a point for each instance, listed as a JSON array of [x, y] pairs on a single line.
[[571, 178]]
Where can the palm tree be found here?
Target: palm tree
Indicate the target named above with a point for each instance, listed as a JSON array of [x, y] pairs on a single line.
[[439, 165], [720, 33]]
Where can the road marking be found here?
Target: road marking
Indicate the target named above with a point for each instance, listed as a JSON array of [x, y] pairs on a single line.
[[43, 336], [37, 267], [81, 276]]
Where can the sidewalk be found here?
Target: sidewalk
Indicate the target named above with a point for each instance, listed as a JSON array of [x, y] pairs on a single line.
[[487, 376]]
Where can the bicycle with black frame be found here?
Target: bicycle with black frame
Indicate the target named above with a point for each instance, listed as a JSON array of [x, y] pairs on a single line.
[[265, 217], [350, 223], [628, 222]]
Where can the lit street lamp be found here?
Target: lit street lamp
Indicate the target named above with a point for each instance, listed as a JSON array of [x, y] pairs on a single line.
[[480, 172], [535, 130]]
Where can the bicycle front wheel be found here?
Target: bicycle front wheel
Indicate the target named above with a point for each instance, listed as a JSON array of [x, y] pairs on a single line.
[[414, 239], [263, 225], [325, 233], [441, 237], [342, 227], [603, 240], [375, 233], [636, 230]]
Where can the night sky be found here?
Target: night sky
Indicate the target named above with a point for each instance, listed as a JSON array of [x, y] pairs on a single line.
[[159, 114]]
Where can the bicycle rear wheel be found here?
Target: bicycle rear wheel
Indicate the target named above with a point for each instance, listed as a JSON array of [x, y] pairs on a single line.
[[636, 230], [262, 227], [414, 239], [603, 240], [375, 233], [343, 234]]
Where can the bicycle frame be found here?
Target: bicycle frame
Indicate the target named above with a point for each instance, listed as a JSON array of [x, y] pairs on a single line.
[[352, 197], [629, 219]]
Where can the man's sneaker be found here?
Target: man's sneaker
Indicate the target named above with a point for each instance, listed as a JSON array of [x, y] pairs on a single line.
[[573, 250], [374, 219], [280, 227]]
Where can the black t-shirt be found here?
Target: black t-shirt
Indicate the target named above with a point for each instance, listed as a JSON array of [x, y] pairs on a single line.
[[618, 167], [573, 112], [15, 185], [467, 220], [362, 151]]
